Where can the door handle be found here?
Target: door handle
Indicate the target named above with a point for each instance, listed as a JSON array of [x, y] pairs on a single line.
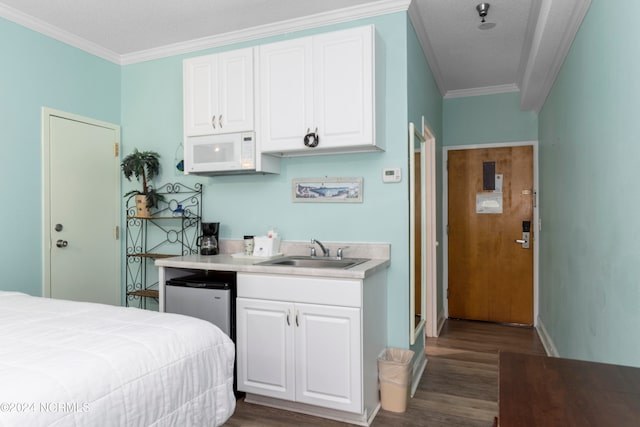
[[526, 235], [525, 240], [213, 121], [62, 243]]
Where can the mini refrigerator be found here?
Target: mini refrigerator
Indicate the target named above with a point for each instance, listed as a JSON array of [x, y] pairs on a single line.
[[209, 295]]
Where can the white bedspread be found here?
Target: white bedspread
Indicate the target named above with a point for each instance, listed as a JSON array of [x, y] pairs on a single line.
[[66, 363]]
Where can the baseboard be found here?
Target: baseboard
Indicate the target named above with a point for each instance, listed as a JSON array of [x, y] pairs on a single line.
[[547, 342], [441, 320], [346, 417], [419, 365]]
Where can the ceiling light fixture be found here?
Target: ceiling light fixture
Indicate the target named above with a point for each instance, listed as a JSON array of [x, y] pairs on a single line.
[[483, 9]]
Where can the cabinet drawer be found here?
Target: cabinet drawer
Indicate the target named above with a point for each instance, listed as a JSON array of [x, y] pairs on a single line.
[[341, 292]]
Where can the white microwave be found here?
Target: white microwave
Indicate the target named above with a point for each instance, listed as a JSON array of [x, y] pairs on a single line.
[[218, 154]]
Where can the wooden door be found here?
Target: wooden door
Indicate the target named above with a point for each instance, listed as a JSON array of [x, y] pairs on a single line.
[[417, 179], [490, 274], [82, 205]]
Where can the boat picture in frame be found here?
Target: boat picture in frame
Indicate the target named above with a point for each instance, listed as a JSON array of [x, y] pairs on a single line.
[[327, 190]]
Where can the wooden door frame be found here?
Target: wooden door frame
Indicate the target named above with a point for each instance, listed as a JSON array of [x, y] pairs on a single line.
[[445, 216], [47, 114]]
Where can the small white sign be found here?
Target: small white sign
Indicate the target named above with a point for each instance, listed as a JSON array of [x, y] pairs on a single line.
[[489, 203]]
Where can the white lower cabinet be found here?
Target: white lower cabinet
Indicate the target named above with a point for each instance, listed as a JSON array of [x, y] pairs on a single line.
[[302, 352], [310, 344], [264, 337]]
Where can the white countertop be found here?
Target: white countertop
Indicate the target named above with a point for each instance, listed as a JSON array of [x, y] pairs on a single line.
[[227, 262]]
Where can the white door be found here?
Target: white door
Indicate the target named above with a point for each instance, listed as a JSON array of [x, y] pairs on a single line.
[[236, 91], [328, 369], [82, 209], [200, 95], [343, 84], [218, 93], [264, 334], [285, 94]]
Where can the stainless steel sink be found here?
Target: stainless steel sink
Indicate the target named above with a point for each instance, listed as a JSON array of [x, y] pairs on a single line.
[[314, 262]]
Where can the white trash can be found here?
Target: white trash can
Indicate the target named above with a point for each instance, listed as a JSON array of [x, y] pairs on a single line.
[[394, 373]]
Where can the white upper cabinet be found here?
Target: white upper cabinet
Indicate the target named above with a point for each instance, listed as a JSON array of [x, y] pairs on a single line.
[[322, 85], [218, 93]]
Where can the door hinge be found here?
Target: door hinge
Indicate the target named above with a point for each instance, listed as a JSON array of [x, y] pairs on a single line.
[[116, 149], [117, 232], [447, 229], [447, 293], [535, 199]]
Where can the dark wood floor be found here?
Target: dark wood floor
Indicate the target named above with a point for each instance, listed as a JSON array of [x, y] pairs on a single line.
[[458, 388]]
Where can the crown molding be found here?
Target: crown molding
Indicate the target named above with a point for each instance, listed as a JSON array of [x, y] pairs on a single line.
[[546, 56], [337, 16], [418, 26], [56, 33], [478, 91]]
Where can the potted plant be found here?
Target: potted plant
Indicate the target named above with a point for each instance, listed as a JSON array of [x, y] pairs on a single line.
[[145, 165]]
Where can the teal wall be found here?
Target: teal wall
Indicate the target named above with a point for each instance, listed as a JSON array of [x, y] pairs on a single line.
[[589, 151], [250, 204], [39, 72], [488, 119]]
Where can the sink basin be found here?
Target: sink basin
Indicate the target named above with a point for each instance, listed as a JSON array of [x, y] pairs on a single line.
[[314, 262]]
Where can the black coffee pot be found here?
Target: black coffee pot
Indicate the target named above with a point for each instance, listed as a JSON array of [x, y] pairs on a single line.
[[208, 241]]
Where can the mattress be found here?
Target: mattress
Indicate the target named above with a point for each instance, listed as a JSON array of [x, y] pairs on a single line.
[[65, 363]]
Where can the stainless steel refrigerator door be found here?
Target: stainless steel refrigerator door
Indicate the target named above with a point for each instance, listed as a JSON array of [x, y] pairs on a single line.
[[212, 305]]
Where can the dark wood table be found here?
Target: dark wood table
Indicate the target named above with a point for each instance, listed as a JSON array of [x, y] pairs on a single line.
[[548, 391]]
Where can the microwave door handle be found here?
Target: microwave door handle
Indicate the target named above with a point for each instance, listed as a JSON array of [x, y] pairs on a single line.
[[213, 121]]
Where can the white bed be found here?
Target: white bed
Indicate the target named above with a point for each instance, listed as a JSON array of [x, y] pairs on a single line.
[[65, 363]]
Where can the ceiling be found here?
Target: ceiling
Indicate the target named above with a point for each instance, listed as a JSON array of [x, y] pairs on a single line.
[[524, 50]]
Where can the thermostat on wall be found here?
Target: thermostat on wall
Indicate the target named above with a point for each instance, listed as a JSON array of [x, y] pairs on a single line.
[[391, 175]]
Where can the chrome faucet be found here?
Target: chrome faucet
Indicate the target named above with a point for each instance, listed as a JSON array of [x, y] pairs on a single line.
[[325, 251], [339, 254]]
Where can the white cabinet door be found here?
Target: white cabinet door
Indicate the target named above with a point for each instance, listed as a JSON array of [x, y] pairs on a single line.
[[285, 93], [235, 104], [343, 84], [264, 335], [200, 80], [328, 357], [218, 93], [323, 83]]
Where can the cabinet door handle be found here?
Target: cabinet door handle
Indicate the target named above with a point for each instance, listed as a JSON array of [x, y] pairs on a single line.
[[220, 121], [288, 321], [213, 121], [297, 323]]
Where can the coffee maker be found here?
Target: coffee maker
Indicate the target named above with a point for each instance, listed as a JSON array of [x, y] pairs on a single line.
[[208, 241]]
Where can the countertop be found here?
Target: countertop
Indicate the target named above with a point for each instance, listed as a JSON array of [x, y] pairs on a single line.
[[378, 254]]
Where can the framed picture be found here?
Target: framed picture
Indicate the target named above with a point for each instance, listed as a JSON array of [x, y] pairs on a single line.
[[331, 190]]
